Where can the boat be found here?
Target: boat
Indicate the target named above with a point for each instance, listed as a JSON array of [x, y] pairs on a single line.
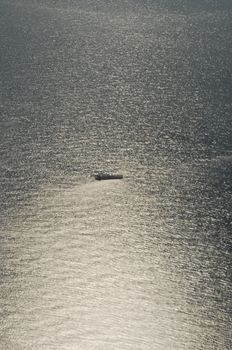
[[105, 176]]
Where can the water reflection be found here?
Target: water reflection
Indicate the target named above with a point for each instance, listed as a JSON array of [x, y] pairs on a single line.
[[142, 263], [102, 266]]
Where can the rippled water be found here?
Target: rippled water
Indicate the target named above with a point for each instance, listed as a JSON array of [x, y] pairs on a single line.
[[141, 88]]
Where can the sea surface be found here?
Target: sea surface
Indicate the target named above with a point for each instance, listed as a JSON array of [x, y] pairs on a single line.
[[139, 88]]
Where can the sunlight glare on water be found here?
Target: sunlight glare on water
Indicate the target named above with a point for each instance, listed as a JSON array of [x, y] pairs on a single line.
[[139, 88]]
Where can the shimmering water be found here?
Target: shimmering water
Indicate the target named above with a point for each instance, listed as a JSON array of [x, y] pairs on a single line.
[[141, 88]]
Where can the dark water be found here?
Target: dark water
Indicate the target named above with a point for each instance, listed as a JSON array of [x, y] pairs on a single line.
[[141, 88]]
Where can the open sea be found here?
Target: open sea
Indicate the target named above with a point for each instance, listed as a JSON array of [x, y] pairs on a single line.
[[141, 88]]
